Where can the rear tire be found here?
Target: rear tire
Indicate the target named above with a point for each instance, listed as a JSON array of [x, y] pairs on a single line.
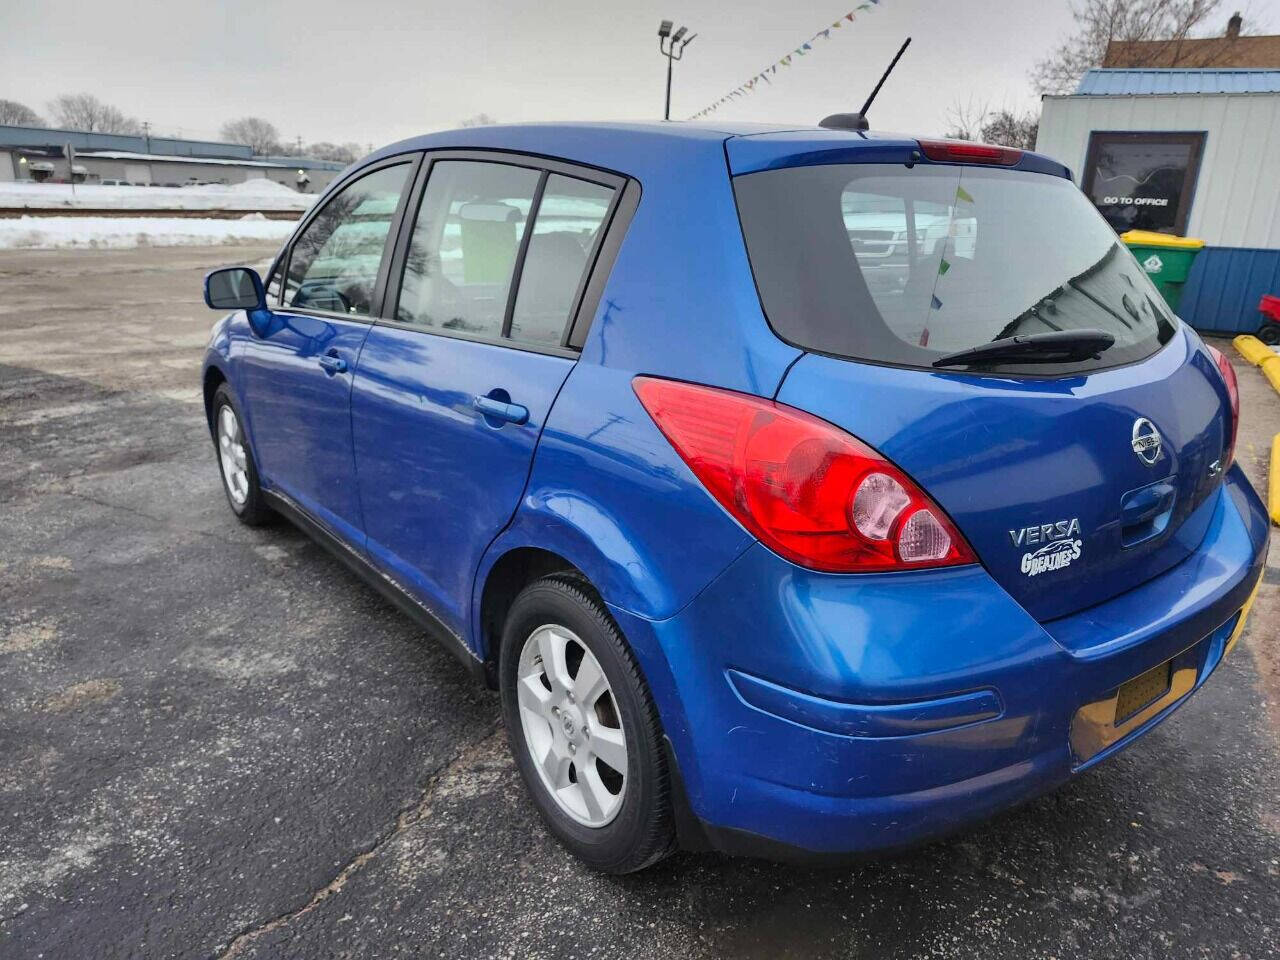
[[577, 708], [235, 462], [1269, 333]]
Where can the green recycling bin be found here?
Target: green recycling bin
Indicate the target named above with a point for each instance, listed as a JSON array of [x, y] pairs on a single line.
[[1167, 260]]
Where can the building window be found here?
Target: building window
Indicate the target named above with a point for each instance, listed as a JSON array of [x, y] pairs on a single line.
[[1143, 181]]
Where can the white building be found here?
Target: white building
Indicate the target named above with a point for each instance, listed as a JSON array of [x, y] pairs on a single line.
[[37, 153], [1189, 152]]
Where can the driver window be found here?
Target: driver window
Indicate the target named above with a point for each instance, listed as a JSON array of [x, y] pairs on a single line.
[[457, 273], [334, 263]]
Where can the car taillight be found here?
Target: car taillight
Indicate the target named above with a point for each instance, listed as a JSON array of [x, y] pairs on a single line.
[[809, 491], [1233, 394], [961, 151]]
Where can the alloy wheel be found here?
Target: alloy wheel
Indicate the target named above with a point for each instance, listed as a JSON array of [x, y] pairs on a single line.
[[232, 456], [571, 725]]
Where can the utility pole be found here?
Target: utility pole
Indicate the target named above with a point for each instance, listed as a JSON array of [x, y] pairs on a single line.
[[672, 47], [146, 135], [299, 149]]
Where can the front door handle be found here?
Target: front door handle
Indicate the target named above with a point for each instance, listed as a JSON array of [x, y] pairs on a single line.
[[499, 410], [333, 364]]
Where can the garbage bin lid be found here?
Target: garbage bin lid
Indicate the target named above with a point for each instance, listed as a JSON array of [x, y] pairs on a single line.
[[1149, 238]]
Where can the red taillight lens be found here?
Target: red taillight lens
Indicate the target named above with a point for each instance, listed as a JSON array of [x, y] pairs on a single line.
[[961, 151], [808, 490], [1233, 393]]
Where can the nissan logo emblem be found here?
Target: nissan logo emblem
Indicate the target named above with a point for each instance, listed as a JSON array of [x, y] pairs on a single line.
[[1146, 441]]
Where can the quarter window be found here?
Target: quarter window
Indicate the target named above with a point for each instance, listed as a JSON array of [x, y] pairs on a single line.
[[273, 286], [335, 260]]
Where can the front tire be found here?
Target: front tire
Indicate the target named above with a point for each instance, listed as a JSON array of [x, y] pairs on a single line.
[[235, 462], [583, 728], [1269, 333]]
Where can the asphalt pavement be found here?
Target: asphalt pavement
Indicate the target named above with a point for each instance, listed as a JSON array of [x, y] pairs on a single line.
[[214, 742]]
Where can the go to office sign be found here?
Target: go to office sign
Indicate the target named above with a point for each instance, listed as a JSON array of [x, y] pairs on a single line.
[[1135, 201]]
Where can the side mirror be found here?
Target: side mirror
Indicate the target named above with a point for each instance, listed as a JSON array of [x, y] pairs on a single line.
[[235, 288]]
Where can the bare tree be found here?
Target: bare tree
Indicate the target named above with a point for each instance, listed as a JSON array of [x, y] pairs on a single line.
[[1149, 32], [1002, 127], [965, 120], [1008, 129], [479, 120], [84, 111], [255, 132], [16, 114], [342, 152]]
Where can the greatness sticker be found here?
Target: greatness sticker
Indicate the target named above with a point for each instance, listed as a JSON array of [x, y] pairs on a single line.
[[1053, 556]]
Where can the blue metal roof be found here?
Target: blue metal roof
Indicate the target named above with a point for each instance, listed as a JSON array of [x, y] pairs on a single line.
[[1114, 82]]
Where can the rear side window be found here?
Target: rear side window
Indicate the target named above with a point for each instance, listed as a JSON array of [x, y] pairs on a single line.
[[465, 242], [334, 262], [469, 246], [902, 265]]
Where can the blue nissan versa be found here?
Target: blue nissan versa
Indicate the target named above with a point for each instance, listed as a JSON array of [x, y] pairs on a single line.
[[803, 491]]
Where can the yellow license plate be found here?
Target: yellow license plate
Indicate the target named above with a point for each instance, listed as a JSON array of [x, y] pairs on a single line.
[[1142, 690]]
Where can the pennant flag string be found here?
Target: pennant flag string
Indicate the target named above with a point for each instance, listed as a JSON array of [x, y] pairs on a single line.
[[803, 50]]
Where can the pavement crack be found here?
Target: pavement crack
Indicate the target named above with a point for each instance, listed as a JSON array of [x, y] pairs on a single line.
[[405, 818], [139, 514]]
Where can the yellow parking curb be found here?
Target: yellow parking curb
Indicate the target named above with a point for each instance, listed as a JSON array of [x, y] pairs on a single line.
[[1253, 349], [1271, 370], [1244, 615], [1273, 482]]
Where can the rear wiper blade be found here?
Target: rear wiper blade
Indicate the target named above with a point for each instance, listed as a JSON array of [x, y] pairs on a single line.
[[1059, 346]]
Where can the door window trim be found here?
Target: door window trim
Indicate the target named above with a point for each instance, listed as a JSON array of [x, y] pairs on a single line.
[[378, 300], [1186, 196], [601, 259], [594, 274]]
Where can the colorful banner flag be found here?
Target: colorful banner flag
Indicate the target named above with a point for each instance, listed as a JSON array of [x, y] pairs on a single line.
[[801, 51]]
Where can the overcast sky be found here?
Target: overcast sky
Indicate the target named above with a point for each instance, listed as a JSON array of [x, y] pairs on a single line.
[[374, 71]]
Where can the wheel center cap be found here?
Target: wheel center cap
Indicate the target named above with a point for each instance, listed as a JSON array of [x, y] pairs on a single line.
[[566, 721]]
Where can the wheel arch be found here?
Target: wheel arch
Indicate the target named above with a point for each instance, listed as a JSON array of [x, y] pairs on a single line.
[[508, 574], [214, 377], [509, 566]]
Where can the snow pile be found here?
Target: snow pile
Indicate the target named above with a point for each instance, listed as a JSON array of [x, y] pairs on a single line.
[[49, 233], [256, 194]]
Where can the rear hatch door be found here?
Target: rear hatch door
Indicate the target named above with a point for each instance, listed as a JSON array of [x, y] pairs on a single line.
[[1074, 481]]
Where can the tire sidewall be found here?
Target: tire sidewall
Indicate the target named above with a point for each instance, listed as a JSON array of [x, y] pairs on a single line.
[[552, 602]]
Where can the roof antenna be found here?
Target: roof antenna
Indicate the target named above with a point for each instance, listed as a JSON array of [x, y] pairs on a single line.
[[858, 121]]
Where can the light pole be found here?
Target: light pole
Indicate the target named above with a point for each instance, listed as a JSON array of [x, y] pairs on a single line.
[[672, 47]]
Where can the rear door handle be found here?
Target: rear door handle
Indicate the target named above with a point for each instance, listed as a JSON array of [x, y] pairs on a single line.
[[333, 364], [498, 410]]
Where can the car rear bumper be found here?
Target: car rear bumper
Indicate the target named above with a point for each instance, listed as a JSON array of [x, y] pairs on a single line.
[[819, 714]]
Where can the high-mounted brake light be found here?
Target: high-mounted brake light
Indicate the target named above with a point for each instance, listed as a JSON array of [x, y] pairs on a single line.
[[961, 151], [1233, 394], [808, 490]]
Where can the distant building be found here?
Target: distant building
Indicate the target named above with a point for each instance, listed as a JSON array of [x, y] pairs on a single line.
[[39, 153], [1189, 152], [1229, 50]]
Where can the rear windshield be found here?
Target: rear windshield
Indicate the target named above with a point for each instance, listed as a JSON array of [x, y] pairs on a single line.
[[902, 265]]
